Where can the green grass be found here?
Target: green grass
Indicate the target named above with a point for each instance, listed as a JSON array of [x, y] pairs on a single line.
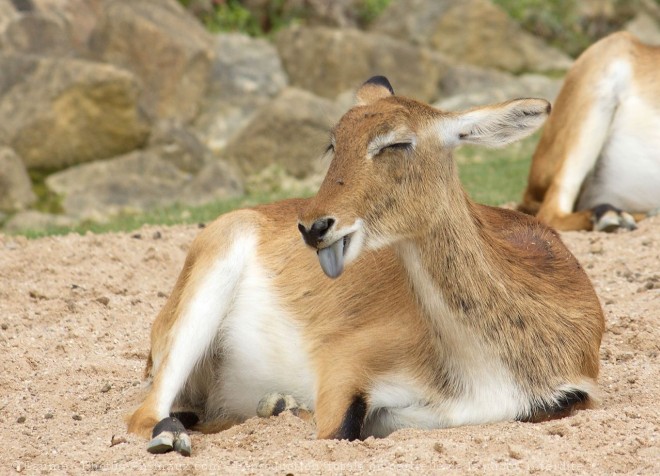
[[271, 16], [496, 176], [173, 215]]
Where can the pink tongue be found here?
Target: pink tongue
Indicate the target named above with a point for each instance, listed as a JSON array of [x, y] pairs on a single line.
[[332, 259]]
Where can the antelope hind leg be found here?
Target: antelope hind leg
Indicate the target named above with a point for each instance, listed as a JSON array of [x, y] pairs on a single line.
[[275, 403]]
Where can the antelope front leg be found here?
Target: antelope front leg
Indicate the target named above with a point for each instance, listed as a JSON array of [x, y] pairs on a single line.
[[340, 414]]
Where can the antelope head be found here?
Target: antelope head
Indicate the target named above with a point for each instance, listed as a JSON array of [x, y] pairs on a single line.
[[392, 175]]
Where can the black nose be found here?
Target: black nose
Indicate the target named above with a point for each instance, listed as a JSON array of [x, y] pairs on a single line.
[[315, 234]]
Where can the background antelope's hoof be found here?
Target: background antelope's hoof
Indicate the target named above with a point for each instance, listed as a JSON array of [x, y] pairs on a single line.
[[608, 219], [169, 434], [275, 403]]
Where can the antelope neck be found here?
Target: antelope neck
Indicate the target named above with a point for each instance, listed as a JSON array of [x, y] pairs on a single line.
[[452, 261]]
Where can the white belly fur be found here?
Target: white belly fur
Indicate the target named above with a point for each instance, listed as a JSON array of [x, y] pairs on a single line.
[[262, 350], [627, 174]]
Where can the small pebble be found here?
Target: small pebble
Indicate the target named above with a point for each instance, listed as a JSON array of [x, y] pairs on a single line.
[[514, 453], [4, 326], [161, 294], [20, 419], [136, 236], [77, 417], [157, 235], [201, 225], [106, 388], [48, 416], [103, 300]]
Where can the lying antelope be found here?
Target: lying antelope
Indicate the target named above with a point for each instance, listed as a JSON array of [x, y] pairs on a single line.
[[442, 312], [598, 162]]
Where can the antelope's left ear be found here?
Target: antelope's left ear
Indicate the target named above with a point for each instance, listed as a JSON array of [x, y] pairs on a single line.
[[496, 125], [372, 90]]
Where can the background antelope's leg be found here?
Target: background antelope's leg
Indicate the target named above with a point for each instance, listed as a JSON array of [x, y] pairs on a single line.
[[571, 221], [574, 135]]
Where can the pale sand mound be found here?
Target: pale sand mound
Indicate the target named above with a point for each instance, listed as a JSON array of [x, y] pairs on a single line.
[[75, 313]]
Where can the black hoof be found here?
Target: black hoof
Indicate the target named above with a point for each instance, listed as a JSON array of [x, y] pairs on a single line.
[[170, 434]]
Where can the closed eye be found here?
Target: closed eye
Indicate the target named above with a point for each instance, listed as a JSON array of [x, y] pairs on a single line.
[[397, 146], [392, 141]]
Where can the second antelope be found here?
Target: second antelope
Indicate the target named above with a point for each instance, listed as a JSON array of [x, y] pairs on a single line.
[[441, 312], [597, 165]]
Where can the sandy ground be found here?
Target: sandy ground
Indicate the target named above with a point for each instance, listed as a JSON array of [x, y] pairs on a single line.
[[75, 313]]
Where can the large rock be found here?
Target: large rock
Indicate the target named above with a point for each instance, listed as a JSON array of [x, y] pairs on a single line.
[[135, 182], [246, 73], [646, 28], [161, 43], [290, 131], [330, 61], [36, 33], [15, 186], [216, 181], [7, 13], [32, 220], [472, 31], [179, 145], [48, 27], [79, 16], [58, 112]]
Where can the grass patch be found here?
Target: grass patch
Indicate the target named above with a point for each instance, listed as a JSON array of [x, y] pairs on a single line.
[[496, 176], [47, 200], [173, 215]]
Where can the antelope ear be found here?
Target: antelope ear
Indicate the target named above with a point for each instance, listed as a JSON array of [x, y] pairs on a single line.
[[496, 125], [372, 90]]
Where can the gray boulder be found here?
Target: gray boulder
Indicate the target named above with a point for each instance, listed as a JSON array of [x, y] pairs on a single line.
[[48, 27], [36, 33], [79, 16], [646, 28], [58, 112], [32, 220], [290, 131], [246, 73], [329, 61], [216, 181], [164, 46], [179, 145], [7, 14], [15, 186], [471, 31], [135, 182]]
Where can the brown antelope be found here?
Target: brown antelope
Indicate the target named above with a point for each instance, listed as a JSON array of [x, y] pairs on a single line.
[[597, 165], [442, 312]]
